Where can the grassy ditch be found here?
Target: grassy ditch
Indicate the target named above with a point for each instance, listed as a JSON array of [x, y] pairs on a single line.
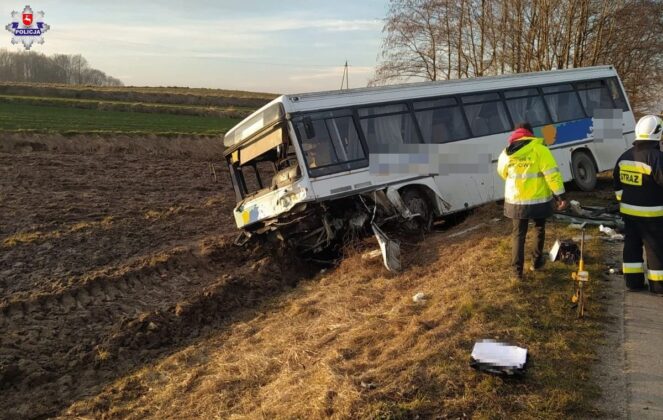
[[351, 343]]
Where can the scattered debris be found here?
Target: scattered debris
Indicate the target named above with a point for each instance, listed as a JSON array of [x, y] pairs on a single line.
[[368, 385], [611, 233], [370, 255], [498, 358], [566, 251], [578, 226], [577, 215], [615, 271], [391, 249], [419, 298], [587, 237]]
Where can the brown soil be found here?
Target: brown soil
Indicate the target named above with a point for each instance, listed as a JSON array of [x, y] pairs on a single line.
[[111, 257]]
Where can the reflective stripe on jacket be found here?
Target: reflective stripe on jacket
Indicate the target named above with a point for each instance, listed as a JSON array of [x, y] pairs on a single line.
[[532, 178], [638, 180]]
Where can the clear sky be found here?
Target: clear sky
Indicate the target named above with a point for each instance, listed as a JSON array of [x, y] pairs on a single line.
[[277, 46]]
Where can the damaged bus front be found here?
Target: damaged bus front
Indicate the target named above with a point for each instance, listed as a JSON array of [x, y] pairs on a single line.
[[270, 171], [264, 169]]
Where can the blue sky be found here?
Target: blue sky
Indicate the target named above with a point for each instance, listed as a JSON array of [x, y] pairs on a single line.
[[261, 45]]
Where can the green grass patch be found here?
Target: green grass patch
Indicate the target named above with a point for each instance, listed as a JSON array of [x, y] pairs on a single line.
[[108, 105], [19, 117]]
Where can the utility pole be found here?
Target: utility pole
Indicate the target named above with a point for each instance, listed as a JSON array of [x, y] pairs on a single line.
[[345, 78]]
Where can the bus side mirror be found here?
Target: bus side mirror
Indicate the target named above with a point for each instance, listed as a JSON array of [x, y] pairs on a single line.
[[308, 128]]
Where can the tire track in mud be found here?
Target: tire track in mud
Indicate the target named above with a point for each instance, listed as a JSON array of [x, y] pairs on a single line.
[[59, 347]]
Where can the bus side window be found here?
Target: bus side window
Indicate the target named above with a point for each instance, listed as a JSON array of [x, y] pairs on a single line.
[[616, 93], [563, 103], [486, 118], [594, 95], [441, 125], [345, 138], [383, 131], [318, 149], [527, 105]]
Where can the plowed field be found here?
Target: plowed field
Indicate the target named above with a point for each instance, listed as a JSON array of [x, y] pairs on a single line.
[[108, 261]]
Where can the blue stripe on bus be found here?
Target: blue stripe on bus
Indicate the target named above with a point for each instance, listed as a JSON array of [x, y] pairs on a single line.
[[565, 132]]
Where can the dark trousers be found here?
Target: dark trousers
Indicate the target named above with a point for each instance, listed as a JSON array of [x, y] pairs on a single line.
[[518, 236], [647, 233]]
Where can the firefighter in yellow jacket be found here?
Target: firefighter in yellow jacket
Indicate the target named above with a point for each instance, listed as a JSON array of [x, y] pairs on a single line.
[[638, 180], [534, 186]]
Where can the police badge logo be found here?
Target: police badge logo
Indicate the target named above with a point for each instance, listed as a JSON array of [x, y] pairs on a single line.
[[27, 27]]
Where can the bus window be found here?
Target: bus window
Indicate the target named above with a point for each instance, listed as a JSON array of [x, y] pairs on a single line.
[[594, 95], [487, 117], [525, 105], [440, 120], [316, 143], [345, 138], [616, 94], [329, 141], [394, 128], [563, 103]]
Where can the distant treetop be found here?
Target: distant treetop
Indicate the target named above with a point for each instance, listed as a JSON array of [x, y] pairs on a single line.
[[33, 67]]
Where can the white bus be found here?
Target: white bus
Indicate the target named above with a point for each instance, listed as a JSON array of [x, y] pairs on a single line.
[[310, 167]]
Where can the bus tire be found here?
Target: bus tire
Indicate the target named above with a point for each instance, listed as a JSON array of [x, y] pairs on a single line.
[[417, 202], [584, 171]]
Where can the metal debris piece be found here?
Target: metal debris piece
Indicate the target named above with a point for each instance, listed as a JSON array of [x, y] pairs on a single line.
[[391, 249], [242, 238]]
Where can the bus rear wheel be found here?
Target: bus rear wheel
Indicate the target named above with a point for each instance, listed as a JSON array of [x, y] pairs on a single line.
[[584, 171], [417, 203]]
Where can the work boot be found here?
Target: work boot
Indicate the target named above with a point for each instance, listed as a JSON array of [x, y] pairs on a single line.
[[634, 282], [537, 264], [656, 287], [516, 276]]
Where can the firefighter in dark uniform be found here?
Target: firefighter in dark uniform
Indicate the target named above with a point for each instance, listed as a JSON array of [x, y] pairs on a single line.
[[638, 180]]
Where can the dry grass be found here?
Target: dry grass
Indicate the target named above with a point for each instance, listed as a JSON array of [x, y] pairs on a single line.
[[351, 343]]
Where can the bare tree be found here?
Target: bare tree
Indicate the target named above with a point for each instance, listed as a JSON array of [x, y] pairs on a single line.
[[441, 39], [59, 68]]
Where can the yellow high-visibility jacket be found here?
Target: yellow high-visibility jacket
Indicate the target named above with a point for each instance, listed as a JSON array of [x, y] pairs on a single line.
[[532, 178]]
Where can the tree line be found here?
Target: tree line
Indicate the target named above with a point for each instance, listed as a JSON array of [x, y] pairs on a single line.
[[452, 39], [33, 67]]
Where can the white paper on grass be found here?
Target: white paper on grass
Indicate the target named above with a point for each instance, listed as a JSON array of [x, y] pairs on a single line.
[[499, 354]]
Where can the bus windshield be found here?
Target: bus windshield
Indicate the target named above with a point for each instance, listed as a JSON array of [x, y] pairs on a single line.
[[260, 155]]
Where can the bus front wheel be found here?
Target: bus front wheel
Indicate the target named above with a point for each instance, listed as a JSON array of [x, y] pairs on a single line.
[[584, 171], [417, 203]]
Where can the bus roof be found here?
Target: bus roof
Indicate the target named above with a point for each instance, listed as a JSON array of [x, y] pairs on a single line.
[[337, 98]]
